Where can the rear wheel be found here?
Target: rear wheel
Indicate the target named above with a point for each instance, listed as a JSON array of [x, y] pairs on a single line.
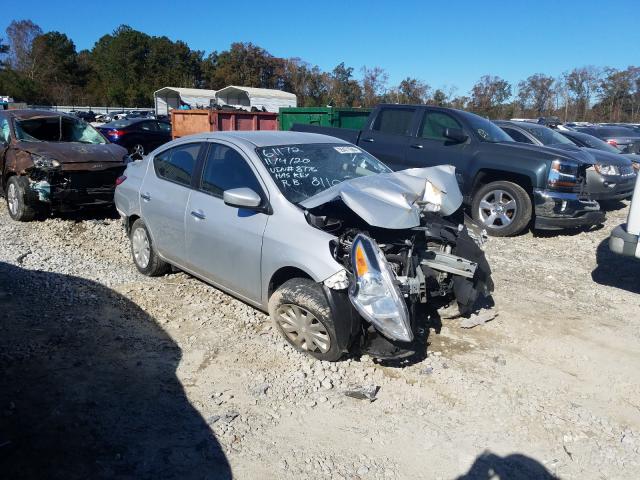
[[20, 206], [137, 151], [503, 208], [143, 252], [302, 315]]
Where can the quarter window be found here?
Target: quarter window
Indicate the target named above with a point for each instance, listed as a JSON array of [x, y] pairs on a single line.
[[177, 164], [225, 169], [5, 135], [394, 121], [435, 123]]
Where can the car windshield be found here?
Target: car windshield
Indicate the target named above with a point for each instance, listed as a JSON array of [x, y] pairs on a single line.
[[487, 131], [57, 129], [304, 170], [594, 142], [546, 135]]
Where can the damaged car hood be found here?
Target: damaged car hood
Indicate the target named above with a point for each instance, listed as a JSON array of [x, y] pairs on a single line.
[[72, 152], [395, 200]]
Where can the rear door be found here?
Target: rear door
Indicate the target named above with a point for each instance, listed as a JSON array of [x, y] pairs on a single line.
[[430, 147], [224, 243], [164, 196], [389, 135]]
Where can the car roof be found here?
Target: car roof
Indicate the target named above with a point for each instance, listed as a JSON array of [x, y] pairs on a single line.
[[264, 138], [26, 114]]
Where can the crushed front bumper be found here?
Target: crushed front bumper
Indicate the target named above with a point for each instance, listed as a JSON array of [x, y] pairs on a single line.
[[558, 210]]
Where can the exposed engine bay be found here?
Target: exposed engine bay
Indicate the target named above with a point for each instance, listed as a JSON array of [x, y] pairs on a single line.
[[393, 271]]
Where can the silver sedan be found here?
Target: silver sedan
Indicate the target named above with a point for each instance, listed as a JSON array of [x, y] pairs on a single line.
[[268, 218]]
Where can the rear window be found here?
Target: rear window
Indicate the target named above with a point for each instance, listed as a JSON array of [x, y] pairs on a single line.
[[394, 121], [616, 132]]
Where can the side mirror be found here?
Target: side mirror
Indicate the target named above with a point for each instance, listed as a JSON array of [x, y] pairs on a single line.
[[455, 134], [241, 198]]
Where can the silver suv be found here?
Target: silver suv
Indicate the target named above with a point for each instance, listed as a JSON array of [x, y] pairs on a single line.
[[336, 247]]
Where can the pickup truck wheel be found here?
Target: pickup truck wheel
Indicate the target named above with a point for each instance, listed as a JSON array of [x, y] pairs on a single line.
[[18, 202], [144, 253], [503, 208], [301, 313]]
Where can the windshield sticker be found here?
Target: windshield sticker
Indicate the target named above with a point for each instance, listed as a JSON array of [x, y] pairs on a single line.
[[483, 133], [347, 149]]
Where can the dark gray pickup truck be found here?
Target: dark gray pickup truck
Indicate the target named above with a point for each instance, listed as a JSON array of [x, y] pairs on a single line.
[[507, 185]]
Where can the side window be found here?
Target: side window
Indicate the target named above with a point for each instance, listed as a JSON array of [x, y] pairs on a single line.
[[517, 136], [225, 169], [394, 121], [164, 127], [5, 135], [435, 123], [148, 126], [177, 164]]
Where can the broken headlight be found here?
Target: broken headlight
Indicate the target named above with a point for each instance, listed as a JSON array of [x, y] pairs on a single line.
[[563, 174], [42, 161], [375, 294]]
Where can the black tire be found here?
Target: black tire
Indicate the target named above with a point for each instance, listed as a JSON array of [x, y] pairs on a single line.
[[518, 218], [20, 203], [306, 295], [137, 151], [154, 266]]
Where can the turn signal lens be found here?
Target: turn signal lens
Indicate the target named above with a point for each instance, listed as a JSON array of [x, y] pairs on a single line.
[[361, 262]]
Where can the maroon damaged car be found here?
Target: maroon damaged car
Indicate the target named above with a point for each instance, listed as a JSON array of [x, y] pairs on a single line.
[[51, 161]]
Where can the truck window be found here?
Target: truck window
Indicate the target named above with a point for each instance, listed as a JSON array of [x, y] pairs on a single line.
[[435, 123], [394, 121]]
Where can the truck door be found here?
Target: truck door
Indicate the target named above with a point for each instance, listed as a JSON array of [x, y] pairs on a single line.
[[389, 134], [430, 147]]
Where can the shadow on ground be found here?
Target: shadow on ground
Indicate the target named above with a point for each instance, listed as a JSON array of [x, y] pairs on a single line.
[[615, 270], [489, 466], [88, 387]]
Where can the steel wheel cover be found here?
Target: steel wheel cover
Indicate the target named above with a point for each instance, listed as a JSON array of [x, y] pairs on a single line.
[[141, 247], [302, 328], [12, 199], [497, 209]]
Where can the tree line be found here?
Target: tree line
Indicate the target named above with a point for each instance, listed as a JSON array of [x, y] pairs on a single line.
[[125, 67]]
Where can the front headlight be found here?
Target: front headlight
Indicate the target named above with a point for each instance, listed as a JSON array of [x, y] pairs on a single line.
[[374, 293], [563, 174], [607, 169], [42, 161]]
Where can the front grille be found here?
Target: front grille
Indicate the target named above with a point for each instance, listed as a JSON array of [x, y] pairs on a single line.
[[96, 179]]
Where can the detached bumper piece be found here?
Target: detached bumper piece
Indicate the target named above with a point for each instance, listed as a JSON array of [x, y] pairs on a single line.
[[558, 210], [624, 243]]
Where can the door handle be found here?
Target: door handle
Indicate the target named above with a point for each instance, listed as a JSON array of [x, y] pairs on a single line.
[[417, 146], [145, 196], [370, 140], [199, 214]]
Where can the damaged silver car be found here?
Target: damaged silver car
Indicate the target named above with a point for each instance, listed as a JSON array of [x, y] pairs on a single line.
[[342, 252]]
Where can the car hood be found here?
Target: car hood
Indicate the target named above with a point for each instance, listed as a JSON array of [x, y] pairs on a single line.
[[608, 158], [395, 200], [550, 153], [72, 152]]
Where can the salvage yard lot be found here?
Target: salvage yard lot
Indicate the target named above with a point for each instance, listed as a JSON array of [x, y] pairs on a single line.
[[551, 384]]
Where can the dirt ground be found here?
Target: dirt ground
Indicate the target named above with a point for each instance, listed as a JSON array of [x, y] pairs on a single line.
[[105, 373]]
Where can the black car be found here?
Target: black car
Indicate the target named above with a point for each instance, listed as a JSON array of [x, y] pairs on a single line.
[[582, 139], [609, 176], [623, 138], [139, 136]]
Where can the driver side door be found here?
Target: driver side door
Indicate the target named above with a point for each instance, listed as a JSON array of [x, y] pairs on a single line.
[[224, 243]]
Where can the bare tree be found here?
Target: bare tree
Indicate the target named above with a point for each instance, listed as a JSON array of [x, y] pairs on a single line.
[[536, 93], [488, 95], [21, 34], [374, 85]]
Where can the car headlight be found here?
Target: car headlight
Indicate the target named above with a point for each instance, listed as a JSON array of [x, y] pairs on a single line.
[[42, 161], [563, 174], [607, 169], [374, 293]]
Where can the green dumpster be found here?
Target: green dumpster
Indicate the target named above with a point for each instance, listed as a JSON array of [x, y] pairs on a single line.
[[354, 118]]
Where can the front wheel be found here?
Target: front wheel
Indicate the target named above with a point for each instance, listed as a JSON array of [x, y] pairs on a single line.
[[301, 313], [20, 206], [503, 208]]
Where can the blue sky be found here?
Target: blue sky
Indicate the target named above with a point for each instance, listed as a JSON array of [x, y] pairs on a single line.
[[442, 43]]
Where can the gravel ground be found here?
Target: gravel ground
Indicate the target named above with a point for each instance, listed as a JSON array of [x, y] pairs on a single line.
[[105, 373]]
